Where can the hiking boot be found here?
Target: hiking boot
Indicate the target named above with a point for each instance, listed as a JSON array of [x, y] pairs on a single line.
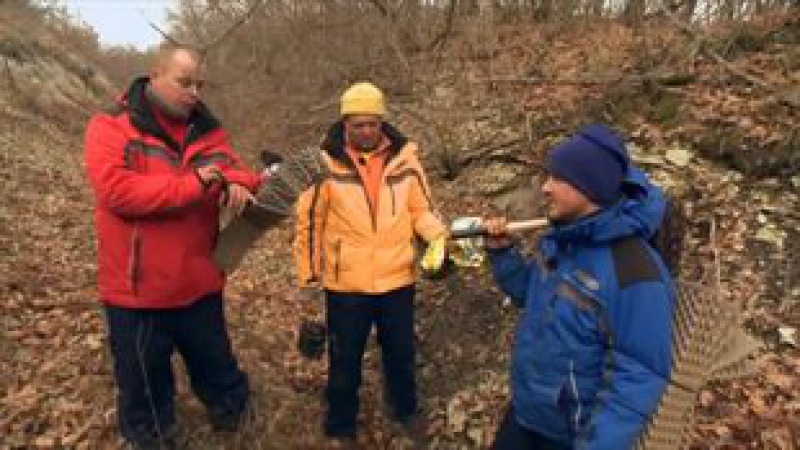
[[415, 428], [226, 423], [168, 442]]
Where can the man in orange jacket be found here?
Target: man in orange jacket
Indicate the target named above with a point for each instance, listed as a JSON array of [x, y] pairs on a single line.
[[159, 165], [355, 239]]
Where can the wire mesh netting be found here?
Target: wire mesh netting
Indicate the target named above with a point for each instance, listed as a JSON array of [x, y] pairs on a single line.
[[708, 343], [275, 200]]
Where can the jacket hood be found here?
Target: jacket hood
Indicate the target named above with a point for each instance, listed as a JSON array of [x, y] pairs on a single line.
[[644, 204], [638, 214], [201, 120], [334, 142]]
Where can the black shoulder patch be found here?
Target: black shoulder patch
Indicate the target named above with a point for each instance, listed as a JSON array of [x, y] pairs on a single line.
[[633, 262]]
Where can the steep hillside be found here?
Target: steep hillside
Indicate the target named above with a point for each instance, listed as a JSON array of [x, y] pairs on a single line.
[[719, 134], [713, 115], [51, 355], [45, 65]]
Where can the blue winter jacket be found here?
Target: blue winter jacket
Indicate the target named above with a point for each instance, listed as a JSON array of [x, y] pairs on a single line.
[[593, 349]]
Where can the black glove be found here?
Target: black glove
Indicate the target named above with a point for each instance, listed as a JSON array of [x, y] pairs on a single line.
[[311, 339]]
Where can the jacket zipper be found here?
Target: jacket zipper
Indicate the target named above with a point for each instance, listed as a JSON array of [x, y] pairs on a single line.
[[372, 213], [391, 191], [183, 145], [349, 162], [185, 142], [576, 397], [336, 264], [134, 265]]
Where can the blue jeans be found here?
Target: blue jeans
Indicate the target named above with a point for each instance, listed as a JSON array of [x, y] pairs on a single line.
[[350, 318], [142, 343]]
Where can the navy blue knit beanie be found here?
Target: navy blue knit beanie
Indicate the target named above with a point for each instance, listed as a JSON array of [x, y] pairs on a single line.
[[594, 161]]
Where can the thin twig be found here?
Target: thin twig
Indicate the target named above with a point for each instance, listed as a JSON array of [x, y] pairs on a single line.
[[329, 103], [676, 79], [382, 9], [701, 39], [163, 33], [553, 81], [203, 50], [394, 39], [239, 22], [445, 32], [12, 83]]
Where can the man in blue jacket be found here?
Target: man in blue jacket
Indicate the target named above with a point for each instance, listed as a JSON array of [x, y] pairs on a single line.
[[593, 350]]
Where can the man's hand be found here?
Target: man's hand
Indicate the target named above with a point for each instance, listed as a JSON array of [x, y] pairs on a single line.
[[236, 198], [209, 175], [497, 233]]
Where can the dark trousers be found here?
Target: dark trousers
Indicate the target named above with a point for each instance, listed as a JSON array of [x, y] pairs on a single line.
[[350, 319], [513, 436], [142, 343]]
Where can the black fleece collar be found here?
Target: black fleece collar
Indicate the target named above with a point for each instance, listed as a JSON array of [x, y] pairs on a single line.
[[334, 143], [201, 121]]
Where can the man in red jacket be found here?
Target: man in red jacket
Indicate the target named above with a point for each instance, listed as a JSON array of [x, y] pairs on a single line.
[[160, 166]]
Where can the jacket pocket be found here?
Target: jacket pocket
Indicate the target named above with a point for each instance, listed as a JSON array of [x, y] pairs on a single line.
[[580, 311], [575, 412], [135, 261], [569, 401], [572, 295]]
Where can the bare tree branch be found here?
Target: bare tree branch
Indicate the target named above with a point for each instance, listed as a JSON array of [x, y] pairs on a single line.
[[238, 23], [12, 83], [381, 8], [167, 37], [702, 39], [447, 29], [673, 79], [552, 81], [192, 21]]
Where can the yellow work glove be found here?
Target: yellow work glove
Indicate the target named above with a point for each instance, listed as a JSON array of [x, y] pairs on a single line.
[[435, 261]]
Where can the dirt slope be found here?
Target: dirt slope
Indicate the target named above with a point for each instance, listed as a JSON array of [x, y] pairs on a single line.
[[56, 389]]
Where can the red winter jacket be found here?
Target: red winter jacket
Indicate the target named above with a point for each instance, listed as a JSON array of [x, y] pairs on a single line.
[[156, 225]]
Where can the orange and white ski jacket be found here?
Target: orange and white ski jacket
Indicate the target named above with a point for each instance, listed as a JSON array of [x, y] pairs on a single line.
[[346, 244]]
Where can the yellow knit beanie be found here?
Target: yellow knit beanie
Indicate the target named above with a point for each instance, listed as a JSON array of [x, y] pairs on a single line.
[[363, 98]]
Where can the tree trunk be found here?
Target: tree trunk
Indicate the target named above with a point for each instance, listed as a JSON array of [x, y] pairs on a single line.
[[688, 10], [634, 11], [597, 8], [543, 9]]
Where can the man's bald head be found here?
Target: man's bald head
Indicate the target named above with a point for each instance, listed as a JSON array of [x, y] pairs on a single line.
[[176, 79], [168, 51]]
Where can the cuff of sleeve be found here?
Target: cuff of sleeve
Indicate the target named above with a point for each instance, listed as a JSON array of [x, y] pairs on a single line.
[[500, 251], [194, 186], [249, 180], [430, 228], [203, 184]]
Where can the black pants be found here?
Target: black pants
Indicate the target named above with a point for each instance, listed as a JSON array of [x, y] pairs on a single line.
[[350, 320], [513, 436], [142, 343]]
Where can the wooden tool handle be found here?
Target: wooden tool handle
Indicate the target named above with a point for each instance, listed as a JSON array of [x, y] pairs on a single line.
[[513, 227]]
